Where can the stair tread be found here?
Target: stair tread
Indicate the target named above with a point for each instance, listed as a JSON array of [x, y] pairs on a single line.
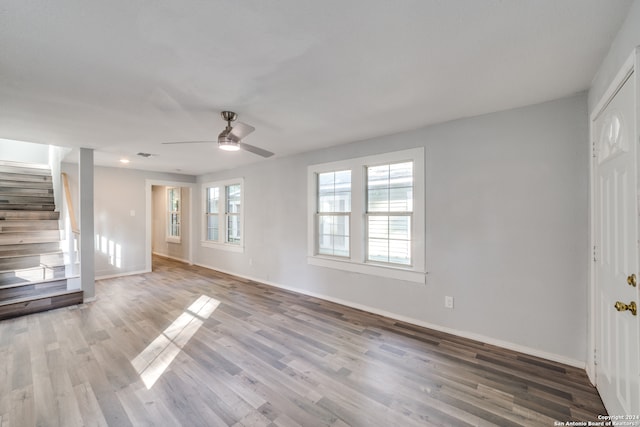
[[53, 252], [23, 214], [38, 297], [37, 282], [28, 269]]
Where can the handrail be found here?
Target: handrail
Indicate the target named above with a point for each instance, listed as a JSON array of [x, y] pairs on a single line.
[[72, 214]]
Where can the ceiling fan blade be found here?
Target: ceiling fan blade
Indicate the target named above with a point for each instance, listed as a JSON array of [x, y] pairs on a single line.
[[189, 142], [240, 131], [255, 150]]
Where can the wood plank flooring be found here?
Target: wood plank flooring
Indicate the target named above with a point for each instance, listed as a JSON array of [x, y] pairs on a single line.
[[189, 346]]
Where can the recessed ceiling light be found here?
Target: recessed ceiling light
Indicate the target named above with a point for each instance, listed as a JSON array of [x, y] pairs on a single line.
[[125, 161]]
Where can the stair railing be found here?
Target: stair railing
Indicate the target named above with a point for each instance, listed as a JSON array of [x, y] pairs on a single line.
[[73, 234], [67, 194]]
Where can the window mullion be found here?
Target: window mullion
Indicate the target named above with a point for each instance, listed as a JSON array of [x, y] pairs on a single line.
[[358, 208]]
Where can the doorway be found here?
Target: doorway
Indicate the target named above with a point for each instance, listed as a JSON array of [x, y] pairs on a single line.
[[615, 208], [169, 221]]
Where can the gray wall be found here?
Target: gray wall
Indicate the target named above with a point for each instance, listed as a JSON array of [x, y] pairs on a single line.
[[160, 246], [627, 39], [120, 214], [507, 220]]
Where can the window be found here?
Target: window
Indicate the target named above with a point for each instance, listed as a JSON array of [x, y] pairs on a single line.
[[333, 214], [173, 214], [232, 213], [223, 217], [389, 211], [367, 215]]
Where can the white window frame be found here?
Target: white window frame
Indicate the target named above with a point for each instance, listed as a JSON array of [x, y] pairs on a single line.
[[168, 236], [416, 272], [338, 213], [222, 243]]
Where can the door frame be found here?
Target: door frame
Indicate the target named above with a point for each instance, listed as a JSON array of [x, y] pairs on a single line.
[[149, 183], [630, 65]]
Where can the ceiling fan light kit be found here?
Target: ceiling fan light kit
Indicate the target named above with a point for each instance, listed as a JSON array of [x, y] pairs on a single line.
[[227, 144], [230, 139]]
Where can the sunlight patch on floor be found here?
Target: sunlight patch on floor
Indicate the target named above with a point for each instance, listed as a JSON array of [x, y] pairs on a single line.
[[154, 360]]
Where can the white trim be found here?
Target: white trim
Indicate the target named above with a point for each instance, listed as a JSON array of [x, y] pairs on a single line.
[[128, 273], [222, 243], [628, 67], [464, 334], [173, 258], [356, 262], [370, 269], [229, 247]]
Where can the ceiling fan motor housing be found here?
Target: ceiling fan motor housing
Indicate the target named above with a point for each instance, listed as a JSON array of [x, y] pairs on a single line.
[[229, 116]]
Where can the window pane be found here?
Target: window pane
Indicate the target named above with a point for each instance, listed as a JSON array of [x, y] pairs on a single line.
[[401, 199], [378, 200], [400, 252], [213, 195], [333, 235], [233, 229], [389, 190], [173, 208], [233, 198], [389, 238], [334, 191], [334, 196], [401, 174], [212, 228]]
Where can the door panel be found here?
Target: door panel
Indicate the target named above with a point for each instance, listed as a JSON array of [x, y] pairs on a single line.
[[616, 220]]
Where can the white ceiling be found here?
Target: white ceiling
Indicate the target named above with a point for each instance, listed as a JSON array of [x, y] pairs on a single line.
[[123, 76]]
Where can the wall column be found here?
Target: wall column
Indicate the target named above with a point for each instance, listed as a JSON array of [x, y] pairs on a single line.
[[87, 239]]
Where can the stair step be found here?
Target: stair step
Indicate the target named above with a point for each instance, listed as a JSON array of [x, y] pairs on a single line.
[[34, 274], [25, 169], [26, 199], [22, 290], [21, 306], [28, 215], [22, 177], [28, 225], [30, 207], [29, 248], [23, 237], [17, 262], [18, 183], [24, 191]]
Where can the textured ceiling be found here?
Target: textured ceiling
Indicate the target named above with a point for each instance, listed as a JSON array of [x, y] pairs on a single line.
[[123, 76]]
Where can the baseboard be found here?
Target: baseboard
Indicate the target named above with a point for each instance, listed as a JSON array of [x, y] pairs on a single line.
[[464, 334], [172, 257], [128, 273]]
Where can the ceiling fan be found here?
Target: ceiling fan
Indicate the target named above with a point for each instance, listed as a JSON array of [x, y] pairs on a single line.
[[230, 139]]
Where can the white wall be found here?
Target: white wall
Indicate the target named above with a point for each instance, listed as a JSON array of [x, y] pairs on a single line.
[[507, 214], [26, 152], [627, 39], [160, 246], [120, 215]]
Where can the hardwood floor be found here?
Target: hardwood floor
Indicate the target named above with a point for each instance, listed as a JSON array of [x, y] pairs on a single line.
[[193, 347]]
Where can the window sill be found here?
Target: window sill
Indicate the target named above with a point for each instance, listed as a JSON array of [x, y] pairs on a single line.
[[370, 269], [222, 246], [172, 240]]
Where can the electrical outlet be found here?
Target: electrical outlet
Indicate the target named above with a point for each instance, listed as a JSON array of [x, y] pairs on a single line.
[[448, 302]]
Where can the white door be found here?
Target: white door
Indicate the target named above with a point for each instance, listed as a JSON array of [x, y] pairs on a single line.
[[616, 227]]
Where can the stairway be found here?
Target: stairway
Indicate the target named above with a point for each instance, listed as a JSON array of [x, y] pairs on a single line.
[[32, 271]]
